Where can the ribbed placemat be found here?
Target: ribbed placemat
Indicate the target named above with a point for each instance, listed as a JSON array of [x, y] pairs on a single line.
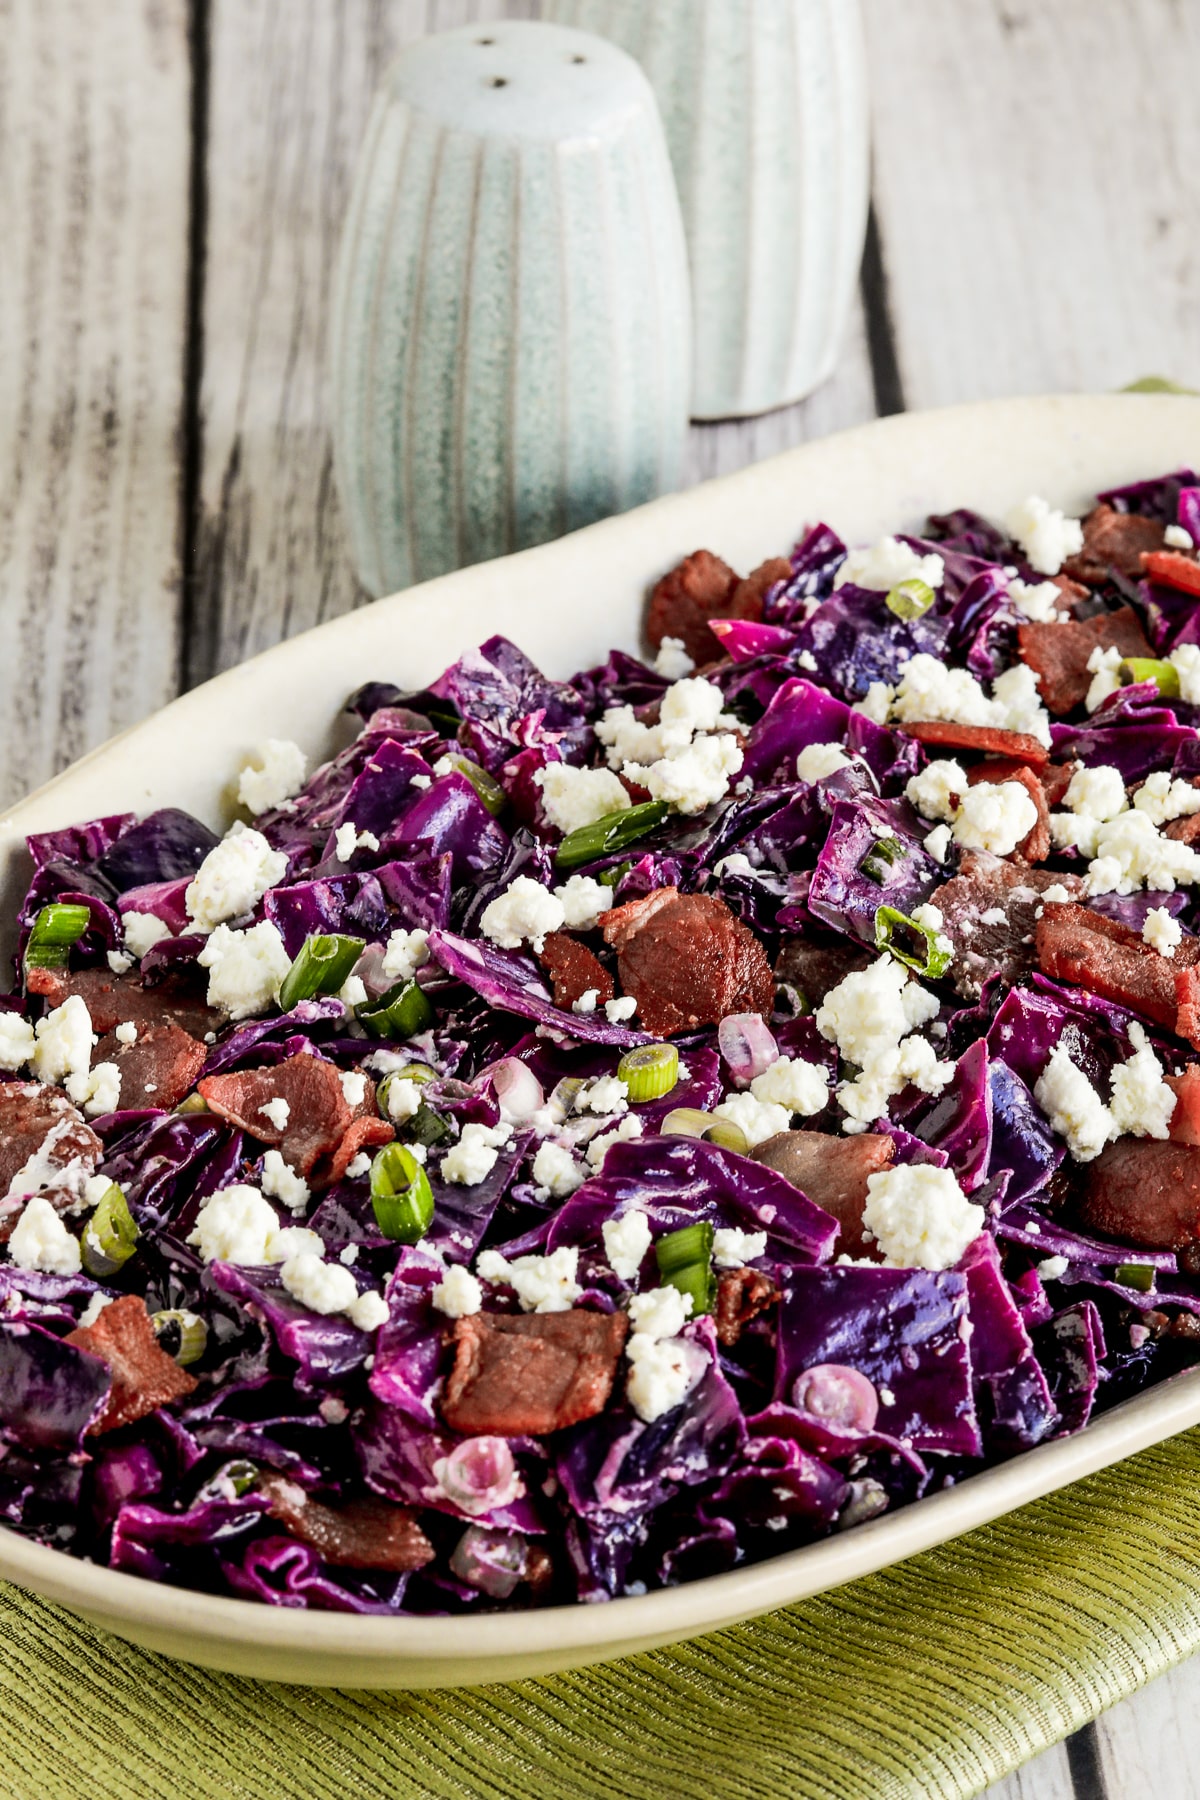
[[929, 1680]]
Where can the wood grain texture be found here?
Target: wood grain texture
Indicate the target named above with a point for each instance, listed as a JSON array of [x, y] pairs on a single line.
[[1039, 210], [93, 217], [1047, 1777]]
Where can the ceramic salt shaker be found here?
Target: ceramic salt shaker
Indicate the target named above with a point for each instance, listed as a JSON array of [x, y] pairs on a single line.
[[511, 341], [765, 108]]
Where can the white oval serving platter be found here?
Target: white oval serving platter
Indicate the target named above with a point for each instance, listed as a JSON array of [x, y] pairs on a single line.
[[566, 603]]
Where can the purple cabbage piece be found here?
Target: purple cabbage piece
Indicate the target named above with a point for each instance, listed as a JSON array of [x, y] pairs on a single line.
[[512, 982], [81, 845], [262, 1041], [145, 1538], [283, 1572], [353, 905], [623, 680], [682, 1181], [419, 888], [449, 818], [325, 1345], [842, 895], [50, 1391], [744, 639], [461, 1215], [902, 1328], [1022, 1140], [1137, 744], [378, 795], [165, 899], [801, 713], [408, 1350], [123, 1474], [1132, 909], [959, 1122], [1021, 1410], [1157, 498], [159, 1163], [856, 640], [1027, 1225], [1070, 1349], [1188, 513], [165, 846], [776, 1487], [815, 561], [399, 1460], [1032, 1022], [970, 533], [832, 1442], [494, 688]]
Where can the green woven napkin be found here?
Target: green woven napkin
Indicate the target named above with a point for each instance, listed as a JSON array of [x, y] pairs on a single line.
[[929, 1680]]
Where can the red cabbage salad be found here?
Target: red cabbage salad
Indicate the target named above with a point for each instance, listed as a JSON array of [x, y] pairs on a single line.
[[594, 1134]]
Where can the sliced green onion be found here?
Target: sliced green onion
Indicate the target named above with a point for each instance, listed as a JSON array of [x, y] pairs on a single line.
[[1136, 1275], [485, 785], [400, 1195], [194, 1103], [685, 1262], [909, 599], [419, 1073], [55, 929], [612, 832], [613, 877], [426, 1127], [188, 1327], [880, 858], [931, 961], [238, 1476], [110, 1236], [321, 967], [400, 1013], [650, 1071], [689, 1121], [1148, 668]]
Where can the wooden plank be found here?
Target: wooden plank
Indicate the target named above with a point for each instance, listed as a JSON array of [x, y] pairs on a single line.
[[291, 84], [1037, 203], [1047, 1777], [93, 214], [1147, 1743]]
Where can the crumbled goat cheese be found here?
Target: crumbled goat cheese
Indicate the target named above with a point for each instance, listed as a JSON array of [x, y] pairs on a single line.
[[1097, 793], [816, 761], [995, 816], [1074, 1108], [733, 864], [1052, 1267], [1177, 537], [1142, 1104], [473, 1158], [294, 1240], [273, 775], [885, 565], [695, 778], [1057, 894], [733, 1248], [1074, 831], [64, 1039], [358, 1166], [1185, 660], [142, 930], [876, 703], [673, 660], [17, 1042], [282, 1183], [607, 1094], [692, 705], [347, 839], [1131, 854], [626, 1241], [525, 910], [542, 1284], [919, 1216], [1103, 666], [118, 961], [41, 1241], [1039, 602], [617, 1012], [662, 1373], [1046, 535], [404, 953], [583, 901], [95, 1307], [630, 1127], [369, 1311], [1161, 931], [995, 915], [1162, 799], [937, 791], [231, 880], [278, 1111], [572, 798], [556, 1172], [353, 992], [1015, 696], [938, 842], [458, 1294], [929, 690], [354, 1086], [99, 1091], [587, 1001], [757, 1119], [235, 1225], [322, 1287], [403, 1099], [868, 1016], [127, 1032], [245, 968], [802, 1087], [661, 1313]]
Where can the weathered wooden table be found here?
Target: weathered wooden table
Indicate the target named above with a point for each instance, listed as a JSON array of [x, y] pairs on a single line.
[[172, 183]]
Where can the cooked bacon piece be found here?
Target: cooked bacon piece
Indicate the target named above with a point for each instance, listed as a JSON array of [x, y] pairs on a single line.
[[742, 1294], [365, 1534], [1187, 995], [1107, 958], [1184, 831], [1113, 540], [1185, 1120], [1055, 779], [158, 1068], [144, 1376], [363, 1133], [575, 970], [700, 588], [1174, 570], [1059, 654], [1071, 591], [812, 969], [1035, 847], [319, 1114], [687, 961], [532, 1373], [1018, 746], [38, 1121], [832, 1172], [988, 910], [1145, 1192], [110, 999]]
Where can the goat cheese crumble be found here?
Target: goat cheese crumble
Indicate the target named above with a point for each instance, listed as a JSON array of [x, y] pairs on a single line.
[[919, 1216]]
